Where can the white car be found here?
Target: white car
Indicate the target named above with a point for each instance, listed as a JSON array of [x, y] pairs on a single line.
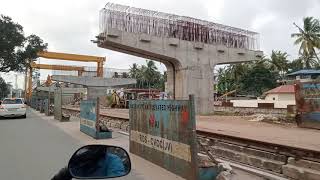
[[13, 107]]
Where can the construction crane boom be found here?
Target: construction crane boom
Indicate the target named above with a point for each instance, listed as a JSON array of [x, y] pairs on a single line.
[[63, 56], [75, 57], [71, 57], [56, 67]]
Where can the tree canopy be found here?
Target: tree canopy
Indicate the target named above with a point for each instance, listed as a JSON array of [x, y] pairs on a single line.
[[256, 77], [247, 78], [147, 76], [16, 50], [308, 38], [4, 88]]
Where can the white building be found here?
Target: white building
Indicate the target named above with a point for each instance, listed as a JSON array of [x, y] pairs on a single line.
[[281, 96], [281, 93]]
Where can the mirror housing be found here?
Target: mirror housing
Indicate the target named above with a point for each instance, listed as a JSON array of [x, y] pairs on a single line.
[[99, 162]]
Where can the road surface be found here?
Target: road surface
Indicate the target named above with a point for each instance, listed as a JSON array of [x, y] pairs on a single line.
[[37, 147], [32, 148]]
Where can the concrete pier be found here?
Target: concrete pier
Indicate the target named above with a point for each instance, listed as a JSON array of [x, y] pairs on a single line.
[[190, 63]]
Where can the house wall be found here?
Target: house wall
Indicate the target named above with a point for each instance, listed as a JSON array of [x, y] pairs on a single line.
[[272, 97], [280, 97], [287, 97], [254, 103]]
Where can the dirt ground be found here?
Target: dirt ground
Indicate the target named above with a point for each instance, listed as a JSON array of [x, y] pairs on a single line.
[[241, 126]]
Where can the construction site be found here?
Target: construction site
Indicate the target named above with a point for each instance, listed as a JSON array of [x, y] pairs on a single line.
[[269, 141]]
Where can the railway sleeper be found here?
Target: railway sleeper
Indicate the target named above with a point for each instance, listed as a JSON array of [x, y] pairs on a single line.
[[252, 160], [301, 169], [259, 157]]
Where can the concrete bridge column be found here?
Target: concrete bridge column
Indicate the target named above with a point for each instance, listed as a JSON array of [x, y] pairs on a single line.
[[189, 64], [197, 80]]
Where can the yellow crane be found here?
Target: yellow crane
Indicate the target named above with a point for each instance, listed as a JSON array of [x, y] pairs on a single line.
[[75, 57], [63, 56], [58, 67], [34, 65]]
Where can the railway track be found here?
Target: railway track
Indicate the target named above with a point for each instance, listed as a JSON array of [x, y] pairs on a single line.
[[283, 160], [295, 152]]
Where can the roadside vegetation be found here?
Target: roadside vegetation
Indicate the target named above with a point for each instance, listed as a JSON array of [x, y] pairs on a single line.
[[148, 76], [254, 78], [16, 49]]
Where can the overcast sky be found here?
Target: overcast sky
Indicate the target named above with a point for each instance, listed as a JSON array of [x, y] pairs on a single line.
[[68, 26]]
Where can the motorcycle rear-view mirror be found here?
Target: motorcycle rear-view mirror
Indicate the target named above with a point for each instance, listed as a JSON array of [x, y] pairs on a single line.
[[99, 162]]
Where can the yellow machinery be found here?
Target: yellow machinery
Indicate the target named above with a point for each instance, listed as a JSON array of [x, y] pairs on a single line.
[[34, 65], [63, 56], [226, 94], [76, 57], [58, 67]]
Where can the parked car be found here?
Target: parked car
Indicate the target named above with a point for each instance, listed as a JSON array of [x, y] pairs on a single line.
[[13, 107]]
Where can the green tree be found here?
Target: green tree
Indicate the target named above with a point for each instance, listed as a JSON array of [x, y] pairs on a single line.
[[225, 80], [236, 72], [147, 76], [150, 73], [296, 65], [16, 51], [32, 46], [125, 75], [12, 38], [258, 79], [279, 62], [115, 75], [308, 38], [4, 88], [252, 78], [134, 70]]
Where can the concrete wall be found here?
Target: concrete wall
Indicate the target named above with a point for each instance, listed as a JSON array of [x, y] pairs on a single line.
[[272, 97], [250, 110], [254, 103], [287, 97], [281, 97], [189, 64]]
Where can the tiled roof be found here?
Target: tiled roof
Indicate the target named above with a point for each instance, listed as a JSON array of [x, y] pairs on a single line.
[[281, 89]]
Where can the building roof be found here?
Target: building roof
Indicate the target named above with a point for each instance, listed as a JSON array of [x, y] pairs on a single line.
[[304, 71], [281, 89]]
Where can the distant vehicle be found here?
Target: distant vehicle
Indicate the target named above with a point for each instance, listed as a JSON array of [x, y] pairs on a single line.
[[13, 107]]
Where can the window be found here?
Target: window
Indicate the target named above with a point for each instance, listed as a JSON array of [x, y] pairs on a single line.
[[304, 76], [314, 76], [12, 101]]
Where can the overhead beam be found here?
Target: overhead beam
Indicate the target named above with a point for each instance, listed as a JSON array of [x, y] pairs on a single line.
[[94, 81], [56, 67], [71, 57]]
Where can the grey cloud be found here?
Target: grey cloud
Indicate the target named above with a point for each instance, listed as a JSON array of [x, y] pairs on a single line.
[[68, 26], [274, 34]]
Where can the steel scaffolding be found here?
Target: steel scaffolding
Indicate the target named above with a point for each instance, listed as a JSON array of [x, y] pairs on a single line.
[[137, 20]]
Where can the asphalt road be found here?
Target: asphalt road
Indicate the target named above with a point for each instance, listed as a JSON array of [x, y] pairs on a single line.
[[32, 148]]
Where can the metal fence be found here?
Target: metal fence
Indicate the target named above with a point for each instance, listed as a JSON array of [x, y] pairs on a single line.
[[137, 20], [308, 104], [163, 132]]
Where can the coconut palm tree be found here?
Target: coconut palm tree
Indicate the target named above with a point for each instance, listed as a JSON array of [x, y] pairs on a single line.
[[150, 72], [296, 65], [134, 69], [308, 37], [278, 62]]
